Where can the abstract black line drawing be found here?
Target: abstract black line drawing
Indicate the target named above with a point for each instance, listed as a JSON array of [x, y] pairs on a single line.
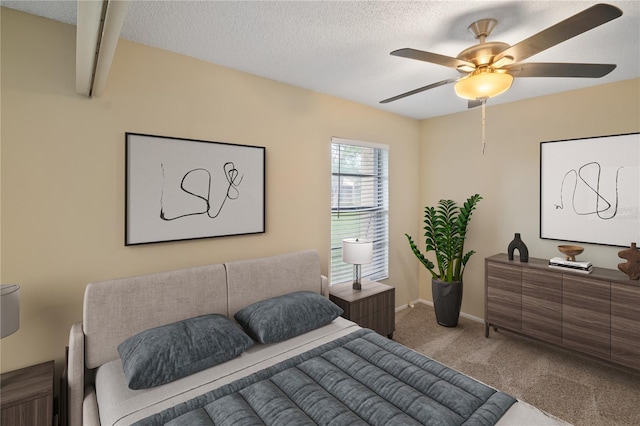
[[590, 190], [600, 204], [183, 189], [234, 179]]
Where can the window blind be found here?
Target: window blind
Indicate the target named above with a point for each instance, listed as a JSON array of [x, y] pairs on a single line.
[[359, 205]]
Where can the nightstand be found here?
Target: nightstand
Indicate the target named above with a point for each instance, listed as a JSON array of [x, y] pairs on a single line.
[[26, 396], [372, 307]]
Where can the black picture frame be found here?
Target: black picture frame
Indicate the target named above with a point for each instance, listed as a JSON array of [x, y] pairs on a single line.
[[184, 189]]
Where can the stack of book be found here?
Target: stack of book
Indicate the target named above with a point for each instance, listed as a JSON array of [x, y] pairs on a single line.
[[561, 263]]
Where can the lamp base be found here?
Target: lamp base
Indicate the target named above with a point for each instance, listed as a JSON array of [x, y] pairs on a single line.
[[356, 277]]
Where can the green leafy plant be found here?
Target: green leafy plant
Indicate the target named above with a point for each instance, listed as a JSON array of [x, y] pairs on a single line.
[[445, 232]]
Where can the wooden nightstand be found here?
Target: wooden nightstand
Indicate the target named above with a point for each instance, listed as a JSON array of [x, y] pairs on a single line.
[[26, 396], [372, 307]]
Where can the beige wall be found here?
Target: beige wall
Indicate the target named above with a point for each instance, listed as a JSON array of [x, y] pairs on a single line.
[[63, 170], [508, 174]]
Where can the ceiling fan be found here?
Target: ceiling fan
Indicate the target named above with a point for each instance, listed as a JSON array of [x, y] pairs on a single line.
[[490, 67]]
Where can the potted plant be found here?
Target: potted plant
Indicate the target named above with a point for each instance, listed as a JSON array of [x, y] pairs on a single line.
[[445, 232]]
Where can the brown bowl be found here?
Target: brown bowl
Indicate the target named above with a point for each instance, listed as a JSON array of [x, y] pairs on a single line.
[[570, 252]]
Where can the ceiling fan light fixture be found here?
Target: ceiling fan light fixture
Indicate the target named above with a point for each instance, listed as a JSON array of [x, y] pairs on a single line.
[[483, 83]]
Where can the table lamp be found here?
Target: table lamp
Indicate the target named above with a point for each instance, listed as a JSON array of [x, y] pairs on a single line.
[[9, 309], [357, 251]]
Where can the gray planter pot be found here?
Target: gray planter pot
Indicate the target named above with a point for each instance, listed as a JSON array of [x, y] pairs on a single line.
[[447, 299]]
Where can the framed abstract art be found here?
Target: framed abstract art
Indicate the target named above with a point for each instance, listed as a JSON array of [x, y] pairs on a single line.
[[182, 189], [590, 190]]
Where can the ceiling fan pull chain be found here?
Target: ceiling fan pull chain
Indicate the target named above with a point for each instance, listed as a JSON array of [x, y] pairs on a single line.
[[484, 102]]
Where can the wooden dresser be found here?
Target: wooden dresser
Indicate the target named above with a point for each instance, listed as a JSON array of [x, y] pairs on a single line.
[[597, 314]]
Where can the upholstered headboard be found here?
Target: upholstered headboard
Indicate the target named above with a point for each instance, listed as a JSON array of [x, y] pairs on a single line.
[[117, 309], [254, 280]]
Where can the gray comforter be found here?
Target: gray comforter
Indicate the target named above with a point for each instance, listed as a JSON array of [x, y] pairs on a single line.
[[359, 379]]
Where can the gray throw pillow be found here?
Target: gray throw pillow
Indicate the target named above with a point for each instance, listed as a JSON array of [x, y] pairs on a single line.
[[163, 354], [283, 317]]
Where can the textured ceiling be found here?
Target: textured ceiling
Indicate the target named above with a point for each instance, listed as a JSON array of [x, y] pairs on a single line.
[[341, 48]]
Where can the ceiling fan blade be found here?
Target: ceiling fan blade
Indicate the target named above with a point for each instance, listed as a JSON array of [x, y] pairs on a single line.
[[541, 69], [434, 58], [421, 89], [562, 31]]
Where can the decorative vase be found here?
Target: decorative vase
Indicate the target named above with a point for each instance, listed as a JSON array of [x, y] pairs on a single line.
[[632, 266], [518, 244], [447, 299]]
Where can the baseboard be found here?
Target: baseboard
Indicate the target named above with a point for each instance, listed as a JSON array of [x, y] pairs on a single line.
[[429, 303], [409, 304]]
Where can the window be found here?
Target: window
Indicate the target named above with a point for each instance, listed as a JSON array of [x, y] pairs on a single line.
[[359, 205]]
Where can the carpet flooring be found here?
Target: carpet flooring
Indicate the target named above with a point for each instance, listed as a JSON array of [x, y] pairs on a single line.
[[572, 387]]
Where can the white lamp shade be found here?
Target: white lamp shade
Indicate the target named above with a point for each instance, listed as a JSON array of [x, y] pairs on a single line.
[[9, 309], [357, 251]]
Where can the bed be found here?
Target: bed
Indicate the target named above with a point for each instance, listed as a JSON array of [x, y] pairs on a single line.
[[288, 357]]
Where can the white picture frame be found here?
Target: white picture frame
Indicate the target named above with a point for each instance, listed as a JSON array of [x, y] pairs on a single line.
[[184, 189], [590, 190]]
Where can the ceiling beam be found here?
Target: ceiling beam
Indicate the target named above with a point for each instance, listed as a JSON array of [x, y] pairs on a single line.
[[98, 29]]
